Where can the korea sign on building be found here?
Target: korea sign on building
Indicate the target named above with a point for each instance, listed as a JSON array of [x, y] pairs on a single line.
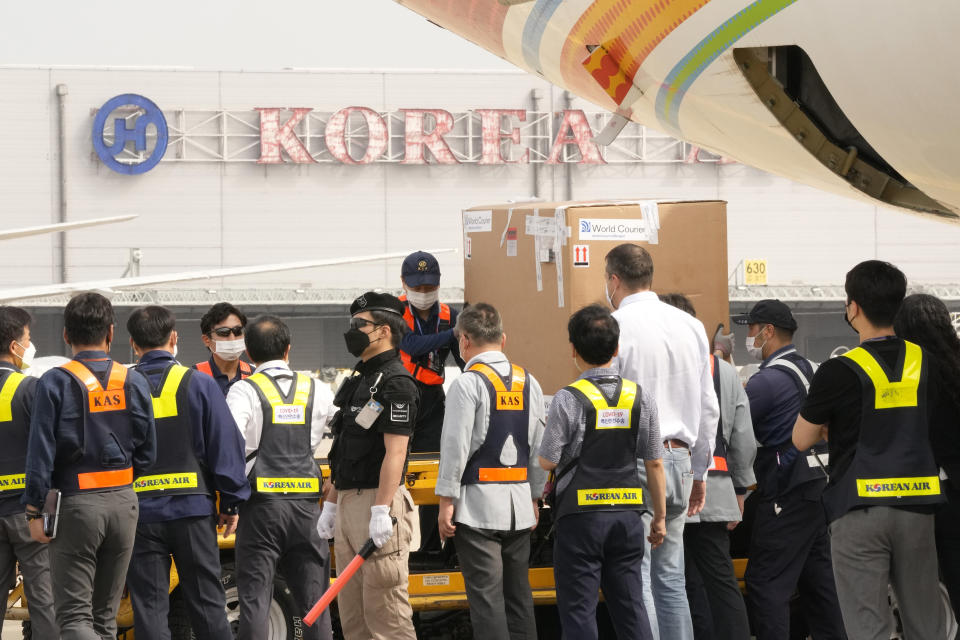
[[132, 134]]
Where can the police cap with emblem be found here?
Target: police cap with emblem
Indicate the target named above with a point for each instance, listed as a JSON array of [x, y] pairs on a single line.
[[373, 301], [420, 268]]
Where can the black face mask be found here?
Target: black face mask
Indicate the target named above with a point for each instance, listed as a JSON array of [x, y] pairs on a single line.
[[847, 320], [357, 342]]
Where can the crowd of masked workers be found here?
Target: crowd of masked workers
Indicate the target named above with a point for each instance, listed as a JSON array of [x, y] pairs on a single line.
[[644, 461]]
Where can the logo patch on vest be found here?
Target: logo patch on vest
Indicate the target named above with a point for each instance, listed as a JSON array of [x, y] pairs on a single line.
[[289, 414], [400, 412], [608, 497], [109, 400], [288, 485], [613, 418], [898, 487], [510, 400], [13, 483], [165, 481]]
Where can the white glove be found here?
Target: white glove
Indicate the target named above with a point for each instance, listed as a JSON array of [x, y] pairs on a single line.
[[381, 524], [328, 520]]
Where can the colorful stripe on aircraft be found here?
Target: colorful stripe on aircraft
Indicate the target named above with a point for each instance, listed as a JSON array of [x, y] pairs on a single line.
[[691, 66], [534, 29], [627, 33]]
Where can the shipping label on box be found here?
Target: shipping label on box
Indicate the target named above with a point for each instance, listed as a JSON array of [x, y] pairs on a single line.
[[634, 229], [477, 221]]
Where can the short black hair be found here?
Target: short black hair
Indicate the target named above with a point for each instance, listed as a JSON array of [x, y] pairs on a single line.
[[480, 322], [632, 264], [87, 319], [398, 326], [13, 324], [217, 314], [679, 301], [878, 288], [594, 333], [267, 338], [150, 327]]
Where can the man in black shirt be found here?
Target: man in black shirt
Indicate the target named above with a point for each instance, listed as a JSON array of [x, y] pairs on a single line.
[[873, 403]]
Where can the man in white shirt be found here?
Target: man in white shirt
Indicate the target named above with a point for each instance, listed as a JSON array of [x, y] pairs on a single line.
[[665, 351], [282, 416]]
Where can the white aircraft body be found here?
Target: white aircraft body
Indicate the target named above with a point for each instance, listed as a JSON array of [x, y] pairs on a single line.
[[106, 286], [857, 97]]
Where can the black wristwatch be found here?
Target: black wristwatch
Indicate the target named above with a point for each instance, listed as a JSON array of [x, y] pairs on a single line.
[[230, 511], [32, 515]]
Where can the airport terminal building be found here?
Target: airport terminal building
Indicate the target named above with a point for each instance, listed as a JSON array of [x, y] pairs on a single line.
[[240, 168]]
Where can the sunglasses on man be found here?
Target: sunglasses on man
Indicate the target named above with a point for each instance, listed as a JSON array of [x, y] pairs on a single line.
[[224, 332]]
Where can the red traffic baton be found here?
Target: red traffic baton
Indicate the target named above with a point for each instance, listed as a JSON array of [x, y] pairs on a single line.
[[342, 579]]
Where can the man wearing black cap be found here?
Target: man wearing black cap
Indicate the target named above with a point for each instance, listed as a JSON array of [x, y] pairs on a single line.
[[372, 430], [427, 343], [789, 546]]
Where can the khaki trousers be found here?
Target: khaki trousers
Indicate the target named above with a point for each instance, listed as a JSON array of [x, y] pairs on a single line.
[[375, 605]]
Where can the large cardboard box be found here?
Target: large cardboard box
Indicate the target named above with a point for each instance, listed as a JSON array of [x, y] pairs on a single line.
[[539, 262]]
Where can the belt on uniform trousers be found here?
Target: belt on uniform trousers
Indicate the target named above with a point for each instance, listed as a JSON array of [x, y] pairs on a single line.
[[673, 443]]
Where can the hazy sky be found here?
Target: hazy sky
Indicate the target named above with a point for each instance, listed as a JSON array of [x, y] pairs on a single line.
[[240, 34]]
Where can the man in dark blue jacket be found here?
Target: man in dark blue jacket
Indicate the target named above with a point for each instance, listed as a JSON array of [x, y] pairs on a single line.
[[199, 451], [789, 544], [91, 433]]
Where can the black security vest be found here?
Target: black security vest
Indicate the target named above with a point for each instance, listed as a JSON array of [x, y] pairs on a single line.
[[783, 467], [14, 427], [719, 465], [285, 466], [509, 418], [893, 464], [105, 461], [357, 453], [605, 475], [176, 471]]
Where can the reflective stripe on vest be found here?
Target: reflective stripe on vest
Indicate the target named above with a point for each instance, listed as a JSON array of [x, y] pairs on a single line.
[[890, 395], [293, 413], [420, 373], [898, 487], [165, 406], [113, 398], [105, 479], [15, 482], [6, 395], [609, 417], [507, 399], [288, 485], [164, 481]]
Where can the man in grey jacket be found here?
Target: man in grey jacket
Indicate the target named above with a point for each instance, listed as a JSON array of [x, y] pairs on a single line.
[[716, 604], [488, 480]]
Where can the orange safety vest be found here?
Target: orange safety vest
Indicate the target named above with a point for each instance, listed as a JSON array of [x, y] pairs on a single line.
[[416, 369], [84, 475], [204, 367]]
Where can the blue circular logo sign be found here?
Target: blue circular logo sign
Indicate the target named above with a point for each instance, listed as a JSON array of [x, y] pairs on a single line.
[[122, 134]]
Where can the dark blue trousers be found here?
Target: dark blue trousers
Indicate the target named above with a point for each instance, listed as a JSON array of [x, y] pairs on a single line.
[[594, 551], [790, 552]]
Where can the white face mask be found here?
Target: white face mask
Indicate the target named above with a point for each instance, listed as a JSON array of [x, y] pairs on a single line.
[[755, 352], [175, 351], [230, 349], [28, 353], [423, 301], [606, 293]]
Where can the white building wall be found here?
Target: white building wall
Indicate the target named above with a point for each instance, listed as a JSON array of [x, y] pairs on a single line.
[[195, 215]]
